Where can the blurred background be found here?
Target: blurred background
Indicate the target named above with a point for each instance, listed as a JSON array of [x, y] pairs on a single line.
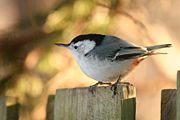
[[32, 67]]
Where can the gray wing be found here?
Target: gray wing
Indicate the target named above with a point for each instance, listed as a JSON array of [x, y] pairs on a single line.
[[113, 48]]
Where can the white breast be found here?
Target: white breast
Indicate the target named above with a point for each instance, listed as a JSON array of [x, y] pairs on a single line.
[[104, 70]]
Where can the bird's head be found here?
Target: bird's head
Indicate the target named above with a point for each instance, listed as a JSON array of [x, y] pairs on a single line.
[[83, 44]]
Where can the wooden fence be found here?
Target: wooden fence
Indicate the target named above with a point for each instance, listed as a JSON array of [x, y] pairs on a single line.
[[80, 104], [170, 102], [10, 112]]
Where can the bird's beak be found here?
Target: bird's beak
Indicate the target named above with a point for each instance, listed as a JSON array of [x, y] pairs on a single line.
[[63, 45]]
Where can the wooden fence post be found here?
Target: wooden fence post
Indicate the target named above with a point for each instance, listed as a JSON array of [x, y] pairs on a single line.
[[178, 97], [50, 108], [3, 111], [168, 104], [8, 112], [80, 104]]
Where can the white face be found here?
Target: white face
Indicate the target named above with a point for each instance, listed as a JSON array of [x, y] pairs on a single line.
[[82, 47]]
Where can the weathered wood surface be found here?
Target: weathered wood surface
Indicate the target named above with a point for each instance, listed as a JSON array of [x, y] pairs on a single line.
[[178, 97], [168, 104], [3, 110], [13, 112], [8, 112], [80, 104], [50, 108]]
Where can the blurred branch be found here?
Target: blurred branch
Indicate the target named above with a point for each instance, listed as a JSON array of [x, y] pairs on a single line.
[[126, 14], [15, 48], [39, 19], [136, 21], [62, 3], [5, 84]]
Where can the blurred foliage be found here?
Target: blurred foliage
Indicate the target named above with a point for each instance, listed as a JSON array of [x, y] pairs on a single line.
[[26, 59]]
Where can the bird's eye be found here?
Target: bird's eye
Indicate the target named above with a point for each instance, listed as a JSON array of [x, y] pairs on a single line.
[[75, 47]]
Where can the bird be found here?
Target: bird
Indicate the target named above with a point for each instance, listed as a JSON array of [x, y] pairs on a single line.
[[107, 58]]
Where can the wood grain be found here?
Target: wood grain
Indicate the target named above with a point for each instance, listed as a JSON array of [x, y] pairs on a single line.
[[168, 104], [178, 97], [10, 112], [80, 104], [3, 110], [50, 108]]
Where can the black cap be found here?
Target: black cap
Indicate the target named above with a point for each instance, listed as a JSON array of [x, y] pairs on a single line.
[[98, 38]]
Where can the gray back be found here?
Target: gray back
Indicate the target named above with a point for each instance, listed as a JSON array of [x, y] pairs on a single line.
[[109, 47]]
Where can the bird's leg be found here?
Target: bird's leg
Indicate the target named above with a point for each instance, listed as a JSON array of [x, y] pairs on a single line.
[[114, 86], [92, 88]]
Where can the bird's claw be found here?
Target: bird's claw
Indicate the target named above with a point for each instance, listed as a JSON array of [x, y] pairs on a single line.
[[92, 88], [114, 88]]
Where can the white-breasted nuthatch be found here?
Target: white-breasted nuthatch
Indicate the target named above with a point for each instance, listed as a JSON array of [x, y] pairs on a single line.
[[107, 58]]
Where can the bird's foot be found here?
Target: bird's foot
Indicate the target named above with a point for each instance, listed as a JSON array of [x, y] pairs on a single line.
[[92, 88], [114, 86]]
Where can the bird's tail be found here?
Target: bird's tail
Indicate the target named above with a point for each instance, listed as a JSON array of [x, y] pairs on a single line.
[[156, 47]]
